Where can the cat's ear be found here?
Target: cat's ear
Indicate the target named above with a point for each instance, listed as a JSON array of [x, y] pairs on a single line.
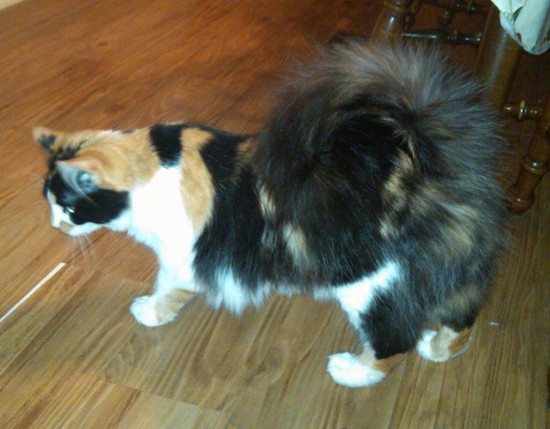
[[45, 137], [79, 173]]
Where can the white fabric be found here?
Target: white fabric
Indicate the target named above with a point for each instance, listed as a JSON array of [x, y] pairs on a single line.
[[527, 21]]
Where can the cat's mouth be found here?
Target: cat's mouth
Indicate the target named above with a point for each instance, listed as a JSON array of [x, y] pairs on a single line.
[[75, 230], [65, 227]]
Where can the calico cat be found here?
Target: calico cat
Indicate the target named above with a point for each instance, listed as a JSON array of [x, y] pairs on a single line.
[[372, 183]]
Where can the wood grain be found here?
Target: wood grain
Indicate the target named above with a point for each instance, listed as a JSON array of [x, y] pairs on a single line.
[[6, 3], [71, 356]]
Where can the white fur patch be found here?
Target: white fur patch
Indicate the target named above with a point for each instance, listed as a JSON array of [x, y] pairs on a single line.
[[346, 369], [57, 213], [62, 220], [424, 345], [143, 310], [233, 296], [76, 230], [158, 217], [356, 297], [438, 351]]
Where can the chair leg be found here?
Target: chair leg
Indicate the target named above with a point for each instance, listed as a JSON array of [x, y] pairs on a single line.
[[392, 19], [496, 65], [534, 165], [497, 60]]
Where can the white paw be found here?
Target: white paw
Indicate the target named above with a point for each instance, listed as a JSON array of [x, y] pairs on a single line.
[[424, 347], [345, 369], [442, 345], [143, 310]]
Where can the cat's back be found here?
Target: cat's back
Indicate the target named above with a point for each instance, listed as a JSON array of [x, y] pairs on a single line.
[[374, 144]]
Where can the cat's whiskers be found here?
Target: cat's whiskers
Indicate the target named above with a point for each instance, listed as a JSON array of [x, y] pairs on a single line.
[[74, 249], [82, 246], [86, 249]]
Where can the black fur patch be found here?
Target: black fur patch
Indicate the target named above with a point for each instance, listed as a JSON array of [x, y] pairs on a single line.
[[46, 141], [101, 207], [232, 240], [98, 206], [67, 152], [221, 153], [330, 187], [166, 142], [391, 326]]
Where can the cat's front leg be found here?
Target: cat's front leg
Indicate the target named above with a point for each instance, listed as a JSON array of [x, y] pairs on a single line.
[[173, 289], [156, 310]]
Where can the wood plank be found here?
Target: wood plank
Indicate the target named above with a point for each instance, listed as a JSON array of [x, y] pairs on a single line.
[[293, 389], [56, 342], [6, 3], [30, 248]]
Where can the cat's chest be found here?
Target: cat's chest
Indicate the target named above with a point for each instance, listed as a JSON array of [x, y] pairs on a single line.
[[157, 214]]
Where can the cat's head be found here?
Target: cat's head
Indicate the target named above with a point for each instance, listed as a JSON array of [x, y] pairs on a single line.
[[83, 185]]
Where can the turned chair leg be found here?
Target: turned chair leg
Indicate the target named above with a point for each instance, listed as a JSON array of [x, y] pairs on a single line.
[[497, 60], [392, 19], [534, 165], [496, 65]]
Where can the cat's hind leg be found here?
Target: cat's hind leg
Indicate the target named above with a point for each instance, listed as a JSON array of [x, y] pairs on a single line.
[[455, 319], [387, 326], [443, 344]]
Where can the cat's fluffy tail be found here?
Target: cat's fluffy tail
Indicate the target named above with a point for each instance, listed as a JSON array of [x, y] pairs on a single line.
[[380, 149], [409, 95]]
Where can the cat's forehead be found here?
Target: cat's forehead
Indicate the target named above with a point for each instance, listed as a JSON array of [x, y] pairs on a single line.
[[63, 145]]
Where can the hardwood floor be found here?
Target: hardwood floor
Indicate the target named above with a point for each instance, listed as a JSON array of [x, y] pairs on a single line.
[[71, 356]]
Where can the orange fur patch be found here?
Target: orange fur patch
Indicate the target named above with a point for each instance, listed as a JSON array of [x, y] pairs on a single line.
[[196, 187], [246, 146], [396, 194], [167, 306], [461, 342], [386, 365], [450, 343], [461, 228], [119, 161], [124, 160], [63, 140], [296, 244]]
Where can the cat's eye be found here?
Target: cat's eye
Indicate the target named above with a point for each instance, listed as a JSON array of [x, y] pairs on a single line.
[[68, 210]]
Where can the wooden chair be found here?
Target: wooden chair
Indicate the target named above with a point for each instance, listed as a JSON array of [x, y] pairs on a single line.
[[496, 64]]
